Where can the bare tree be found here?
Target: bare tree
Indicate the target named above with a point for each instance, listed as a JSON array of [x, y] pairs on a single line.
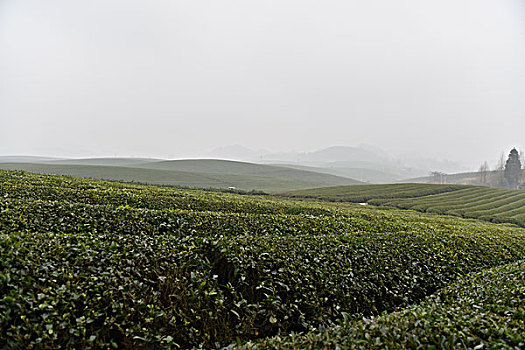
[[501, 162], [500, 168], [483, 173], [439, 177]]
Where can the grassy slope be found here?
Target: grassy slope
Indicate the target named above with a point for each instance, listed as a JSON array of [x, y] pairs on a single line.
[[213, 166], [491, 204], [26, 159], [109, 161], [217, 166], [199, 174], [86, 263]]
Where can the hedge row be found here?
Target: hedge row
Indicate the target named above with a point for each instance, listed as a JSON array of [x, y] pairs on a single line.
[[484, 310], [490, 204], [365, 193], [21, 185]]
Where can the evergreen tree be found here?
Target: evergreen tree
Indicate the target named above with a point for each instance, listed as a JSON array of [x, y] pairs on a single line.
[[513, 169]]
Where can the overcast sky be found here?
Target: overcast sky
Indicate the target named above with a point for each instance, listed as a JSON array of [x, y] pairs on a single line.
[[166, 78]]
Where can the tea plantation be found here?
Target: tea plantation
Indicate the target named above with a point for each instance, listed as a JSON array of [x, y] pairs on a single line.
[[482, 310], [365, 193], [92, 264], [491, 204]]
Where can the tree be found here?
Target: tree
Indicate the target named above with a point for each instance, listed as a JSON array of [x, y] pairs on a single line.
[[499, 180], [439, 177], [483, 173], [513, 169]]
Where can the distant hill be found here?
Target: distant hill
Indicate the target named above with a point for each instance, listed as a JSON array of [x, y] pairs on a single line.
[[104, 161], [25, 159], [206, 173], [329, 155], [237, 152], [349, 157], [219, 166], [344, 154], [361, 174]]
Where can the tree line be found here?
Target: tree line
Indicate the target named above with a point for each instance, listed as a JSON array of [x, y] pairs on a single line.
[[508, 173]]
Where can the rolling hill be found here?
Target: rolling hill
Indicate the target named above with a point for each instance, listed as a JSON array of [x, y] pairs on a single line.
[[187, 173], [361, 157], [103, 161], [367, 175]]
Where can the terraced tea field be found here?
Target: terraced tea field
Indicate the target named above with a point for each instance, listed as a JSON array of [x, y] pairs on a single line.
[[365, 193], [485, 203], [93, 264]]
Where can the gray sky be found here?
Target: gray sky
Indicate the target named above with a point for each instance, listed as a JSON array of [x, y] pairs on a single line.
[[167, 77]]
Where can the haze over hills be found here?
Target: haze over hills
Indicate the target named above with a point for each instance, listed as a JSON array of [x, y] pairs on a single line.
[[367, 163], [466, 178], [361, 163], [26, 159], [360, 174], [116, 161], [203, 173]]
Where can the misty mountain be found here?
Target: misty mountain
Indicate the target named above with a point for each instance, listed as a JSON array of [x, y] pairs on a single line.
[[328, 155], [366, 160], [236, 152], [360, 174], [432, 164], [200, 173]]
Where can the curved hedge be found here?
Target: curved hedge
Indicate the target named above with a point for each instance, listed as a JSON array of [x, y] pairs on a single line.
[[484, 310]]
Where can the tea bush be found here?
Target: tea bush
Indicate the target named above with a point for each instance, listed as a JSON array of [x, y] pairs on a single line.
[[490, 204], [92, 264], [484, 310]]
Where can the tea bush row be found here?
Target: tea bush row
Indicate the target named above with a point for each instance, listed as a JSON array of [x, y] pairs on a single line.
[[22, 185], [364, 193], [490, 204], [484, 310]]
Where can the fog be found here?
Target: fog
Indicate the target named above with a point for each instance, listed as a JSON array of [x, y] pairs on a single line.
[[171, 78]]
